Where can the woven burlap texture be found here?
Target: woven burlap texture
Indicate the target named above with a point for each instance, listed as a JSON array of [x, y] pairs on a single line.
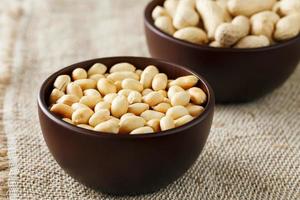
[[253, 151]]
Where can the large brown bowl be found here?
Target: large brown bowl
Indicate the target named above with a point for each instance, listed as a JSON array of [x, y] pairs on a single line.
[[125, 164], [236, 75]]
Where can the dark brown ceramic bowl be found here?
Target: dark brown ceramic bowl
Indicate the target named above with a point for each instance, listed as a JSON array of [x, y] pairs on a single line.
[[125, 164], [236, 75]]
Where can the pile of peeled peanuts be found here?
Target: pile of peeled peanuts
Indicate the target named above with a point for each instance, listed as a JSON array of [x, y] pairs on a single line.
[[126, 100]]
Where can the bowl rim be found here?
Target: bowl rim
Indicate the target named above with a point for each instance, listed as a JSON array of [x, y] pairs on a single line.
[[42, 104], [148, 21]]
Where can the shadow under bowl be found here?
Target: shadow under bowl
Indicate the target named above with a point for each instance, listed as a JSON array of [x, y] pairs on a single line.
[[125, 164], [236, 75]]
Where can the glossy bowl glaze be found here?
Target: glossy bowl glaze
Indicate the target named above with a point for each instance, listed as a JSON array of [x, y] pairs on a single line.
[[125, 164], [236, 75]]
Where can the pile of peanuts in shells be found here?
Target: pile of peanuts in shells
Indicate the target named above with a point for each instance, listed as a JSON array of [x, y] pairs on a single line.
[[126, 100], [229, 23]]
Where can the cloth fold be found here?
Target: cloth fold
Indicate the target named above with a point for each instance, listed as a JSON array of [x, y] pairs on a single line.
[[253, 151]]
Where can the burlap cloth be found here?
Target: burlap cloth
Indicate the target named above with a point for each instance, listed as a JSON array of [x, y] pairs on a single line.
[[253, 151]]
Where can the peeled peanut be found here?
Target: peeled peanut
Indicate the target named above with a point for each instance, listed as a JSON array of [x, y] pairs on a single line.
[[171, 6], [192, 34], [62, 110], [174, 89], [76, 106], [109, 126], [194, 110], [159, 82], [164, 23], [55, 95], [183, 120], [176, 112], [151, 114], [120, 67], [119, 106], [166, 123], [130, 123], [86, 83], [138, 108], [61, 82], [118, 85], [142, 130], [82, 115], [197, 95], [110, 97], [253, 41], [120, 76], [138, 72], [67, 120], [114, 119], [90, 100], [153, 98], [100, 116], [74, 89], [180, 98], [126, 115], [163, 92], [148, 75], [134, 97], [85, 126], [162, 107], [185, 82], [91, 92], [125, 92], [68, 99], [287, 27], [79, 73], [128, 110], [106, 86], [154, 124], [96, 77], [132, 84], [97, 68], [146, 91], [102, 105], [166, 100]]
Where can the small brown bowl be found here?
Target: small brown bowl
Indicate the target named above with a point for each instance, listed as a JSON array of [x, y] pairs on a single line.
[[236, 75], [125, 164]]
